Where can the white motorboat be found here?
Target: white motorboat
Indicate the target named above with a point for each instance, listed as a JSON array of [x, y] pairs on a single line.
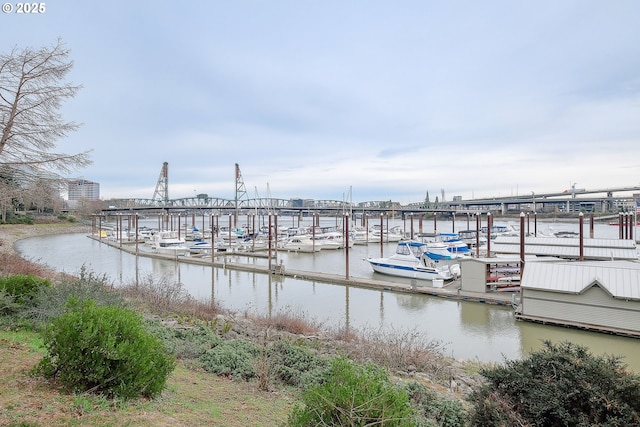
[[255, 243], [393, 235], [301, 244], [360, 236], [332, 240], [471, 237], [439, 251], [168, 242], [410, 261], [201, 248]]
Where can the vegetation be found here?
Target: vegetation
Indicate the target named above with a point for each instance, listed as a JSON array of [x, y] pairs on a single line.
[[354, 395], [51, 302], [19, 292], [216, 368], [433, 410], [13, 264], [32, 91], [16, 219], [104, 349], [560, 385]]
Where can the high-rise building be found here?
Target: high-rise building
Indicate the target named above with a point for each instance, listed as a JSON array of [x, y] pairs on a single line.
[[82, 189]]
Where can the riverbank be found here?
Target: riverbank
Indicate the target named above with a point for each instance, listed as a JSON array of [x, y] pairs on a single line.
[[450, 377], [11, 233]]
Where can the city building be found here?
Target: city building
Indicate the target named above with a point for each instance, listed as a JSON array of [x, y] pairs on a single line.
[[82, 189]]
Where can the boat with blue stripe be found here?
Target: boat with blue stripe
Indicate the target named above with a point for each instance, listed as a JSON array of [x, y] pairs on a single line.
[[411, 261]]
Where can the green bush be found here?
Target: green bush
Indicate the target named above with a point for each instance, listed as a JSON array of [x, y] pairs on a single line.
[[559, 385], [296, 365], [185, 343], [232, 358], [104, 349], [434, 410], [8, 305], [19, 219], [354, 395], [50, 301], [22, 289]]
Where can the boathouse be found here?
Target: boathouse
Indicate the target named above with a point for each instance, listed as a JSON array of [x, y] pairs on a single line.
[[595, 295], [480, 274], [494, 274], [567, 248]]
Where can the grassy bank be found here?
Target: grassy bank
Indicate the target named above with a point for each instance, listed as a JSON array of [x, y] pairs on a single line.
[[192, 398]]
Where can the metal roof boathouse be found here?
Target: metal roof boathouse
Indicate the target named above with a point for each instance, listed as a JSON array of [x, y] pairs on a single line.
[[595, 295], [568, 248]]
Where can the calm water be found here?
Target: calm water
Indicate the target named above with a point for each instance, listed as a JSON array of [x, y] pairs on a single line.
[[469, 330]]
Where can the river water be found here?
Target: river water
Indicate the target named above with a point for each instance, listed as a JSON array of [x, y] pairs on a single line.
[[468, 330]]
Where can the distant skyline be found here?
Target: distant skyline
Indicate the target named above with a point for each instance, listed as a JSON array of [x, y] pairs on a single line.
[[390, 100]]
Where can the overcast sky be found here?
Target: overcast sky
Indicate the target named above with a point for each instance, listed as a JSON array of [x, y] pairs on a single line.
[[391, 99]]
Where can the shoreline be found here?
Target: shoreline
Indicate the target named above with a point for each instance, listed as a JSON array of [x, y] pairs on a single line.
[[12, 233], [461, 381]]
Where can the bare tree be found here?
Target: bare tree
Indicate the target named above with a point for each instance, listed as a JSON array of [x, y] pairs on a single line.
[[32, 90], [41, 195], [10, 195]]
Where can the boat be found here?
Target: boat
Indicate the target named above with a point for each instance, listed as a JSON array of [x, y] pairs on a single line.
[[455, 243], [360, 236], [387, 235], [168, 242], [440, 251], [332, 240], [567, 234], [253, 243], [500, 230], [200, 248], [410, 261], [471, 237], [300, 244], [192, 234]]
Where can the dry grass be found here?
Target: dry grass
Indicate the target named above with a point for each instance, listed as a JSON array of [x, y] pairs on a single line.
[[13, 264], [164, 297], [287, 320], [396, 350], [192, 398]]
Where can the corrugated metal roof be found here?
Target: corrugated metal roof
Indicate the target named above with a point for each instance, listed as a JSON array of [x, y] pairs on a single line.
[[595, 249], [620, 278]]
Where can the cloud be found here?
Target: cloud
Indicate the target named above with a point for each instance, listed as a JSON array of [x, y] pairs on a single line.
[[389, 100]]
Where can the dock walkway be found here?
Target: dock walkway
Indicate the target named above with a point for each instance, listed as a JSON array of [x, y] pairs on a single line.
[[450, 289]]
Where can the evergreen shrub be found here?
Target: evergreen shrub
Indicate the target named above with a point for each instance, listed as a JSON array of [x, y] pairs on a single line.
[[297, 365], [22, 289], [233, 358], [560, 385], [434, 410], [354, 395], [50, 302], [104, 349], [185, 343]]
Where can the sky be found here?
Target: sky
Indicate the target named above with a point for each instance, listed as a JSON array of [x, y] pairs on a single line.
[[348, 100]]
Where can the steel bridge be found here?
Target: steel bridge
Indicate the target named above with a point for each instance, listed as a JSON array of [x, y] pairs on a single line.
[[603, 200]]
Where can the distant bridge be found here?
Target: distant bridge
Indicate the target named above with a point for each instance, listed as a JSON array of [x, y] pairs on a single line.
[[572, 200], [598, 201]]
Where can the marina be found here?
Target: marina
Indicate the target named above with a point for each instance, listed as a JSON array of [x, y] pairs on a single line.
[[344, 292]]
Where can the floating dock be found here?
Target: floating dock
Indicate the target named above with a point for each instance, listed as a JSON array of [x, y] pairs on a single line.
[[451, 290]]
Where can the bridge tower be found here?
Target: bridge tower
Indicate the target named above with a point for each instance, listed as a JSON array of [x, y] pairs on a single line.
[[241, 192], [162, 187]]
